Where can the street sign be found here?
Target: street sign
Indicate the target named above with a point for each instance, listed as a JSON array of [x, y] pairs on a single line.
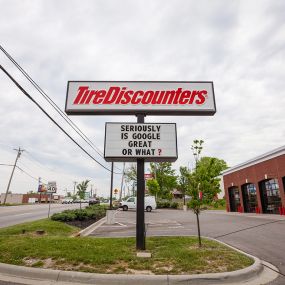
[[51, 187], [130, 141], [184, 98]]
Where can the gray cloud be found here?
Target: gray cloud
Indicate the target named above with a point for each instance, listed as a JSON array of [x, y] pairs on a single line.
[[237, 44]]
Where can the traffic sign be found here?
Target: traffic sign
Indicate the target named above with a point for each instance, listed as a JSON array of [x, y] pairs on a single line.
[[51, 187]]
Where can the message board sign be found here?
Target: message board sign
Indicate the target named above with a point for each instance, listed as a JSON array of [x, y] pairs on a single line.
[[144, 97], [130, 141]]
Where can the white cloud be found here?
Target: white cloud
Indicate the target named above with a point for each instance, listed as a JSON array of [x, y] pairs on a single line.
[[237, 44]]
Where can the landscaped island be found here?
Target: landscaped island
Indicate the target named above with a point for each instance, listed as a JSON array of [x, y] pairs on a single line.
[[56, 249]]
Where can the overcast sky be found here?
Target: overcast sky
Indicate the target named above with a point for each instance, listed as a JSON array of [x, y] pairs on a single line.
[[239, 45]]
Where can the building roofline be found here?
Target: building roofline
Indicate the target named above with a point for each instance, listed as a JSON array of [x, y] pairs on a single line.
[[266, 156]]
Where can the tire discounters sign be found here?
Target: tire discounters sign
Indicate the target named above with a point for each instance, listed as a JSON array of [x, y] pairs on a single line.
[[130, 141], [133, 97]]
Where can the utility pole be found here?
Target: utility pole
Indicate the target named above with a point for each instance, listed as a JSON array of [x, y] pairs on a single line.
[[40, 183], [122, 183], [19, 152], [74, 182]]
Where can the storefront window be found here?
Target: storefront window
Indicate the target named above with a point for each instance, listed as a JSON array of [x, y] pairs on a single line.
[[249, 197], [271, 200]]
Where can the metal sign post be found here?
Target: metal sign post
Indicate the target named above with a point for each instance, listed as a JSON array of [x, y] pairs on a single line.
[[51, 189], [140, 225], [50, 195]]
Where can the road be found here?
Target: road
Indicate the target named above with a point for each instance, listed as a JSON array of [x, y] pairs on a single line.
[[12, 215], [259, 235]]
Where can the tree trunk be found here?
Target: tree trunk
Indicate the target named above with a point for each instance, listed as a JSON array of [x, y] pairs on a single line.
[[80, 204], [198, 225]]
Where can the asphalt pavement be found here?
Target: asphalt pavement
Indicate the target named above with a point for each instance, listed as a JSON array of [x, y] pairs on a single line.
[[260, 235], [12, 215]]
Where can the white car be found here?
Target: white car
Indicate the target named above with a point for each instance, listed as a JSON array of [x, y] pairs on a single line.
[[131, 203], [67, 201]]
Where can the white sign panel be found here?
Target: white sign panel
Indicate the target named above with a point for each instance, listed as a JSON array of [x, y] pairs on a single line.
[[149, 98], [129, 141], [51, 187]]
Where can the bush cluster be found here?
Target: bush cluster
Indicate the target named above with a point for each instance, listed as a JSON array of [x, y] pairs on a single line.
[[94, 212], [219, 203], [167, 204]]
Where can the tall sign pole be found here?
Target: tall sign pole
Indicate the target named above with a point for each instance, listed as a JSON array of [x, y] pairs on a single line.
[[140, 225], [111, 186], [15, 164]]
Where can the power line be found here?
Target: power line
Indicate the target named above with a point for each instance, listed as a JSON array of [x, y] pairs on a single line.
[[20, 168], [27, 173], [36, 162], [43, 110], [4, 164], [54, 105]]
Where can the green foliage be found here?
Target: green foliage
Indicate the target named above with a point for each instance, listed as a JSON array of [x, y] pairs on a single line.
[[174, 205], [94, 212], [153, 187], [204, 178], [183, 179], [81, 189], [219, 204], [166, 178], [161, 204], [50, 227], [170, 255], [131, 174]]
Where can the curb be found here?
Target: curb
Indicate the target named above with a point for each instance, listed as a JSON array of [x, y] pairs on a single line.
[[87, 231], [234, 277]]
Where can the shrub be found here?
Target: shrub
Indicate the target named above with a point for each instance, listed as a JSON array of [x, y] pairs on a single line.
[[94, 212], [166, 204], [174, 205]]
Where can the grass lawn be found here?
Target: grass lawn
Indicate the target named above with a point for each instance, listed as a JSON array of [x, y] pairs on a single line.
[[57, 250]]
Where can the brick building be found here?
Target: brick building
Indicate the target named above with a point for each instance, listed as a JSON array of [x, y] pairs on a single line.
[[257, 185], [29, 198]]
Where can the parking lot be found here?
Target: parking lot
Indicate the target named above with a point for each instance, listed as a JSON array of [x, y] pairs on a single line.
[[260, 235]]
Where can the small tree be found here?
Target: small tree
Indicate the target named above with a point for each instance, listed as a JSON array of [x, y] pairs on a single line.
[[203, 181], [195, 180], [183, 181], [165, 177], [153, 187], [81, 190]]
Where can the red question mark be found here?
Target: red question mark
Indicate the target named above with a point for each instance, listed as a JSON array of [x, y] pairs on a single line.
[[159, 151]]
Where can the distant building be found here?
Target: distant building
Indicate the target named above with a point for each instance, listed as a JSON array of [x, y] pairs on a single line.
[[28, 198], [257, 185]]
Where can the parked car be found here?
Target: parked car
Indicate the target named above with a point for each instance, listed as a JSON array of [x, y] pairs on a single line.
[[67, 201], [94, 201], [131, 203]]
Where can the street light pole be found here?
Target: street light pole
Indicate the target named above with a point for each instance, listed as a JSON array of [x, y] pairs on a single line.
[[15, 164]]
